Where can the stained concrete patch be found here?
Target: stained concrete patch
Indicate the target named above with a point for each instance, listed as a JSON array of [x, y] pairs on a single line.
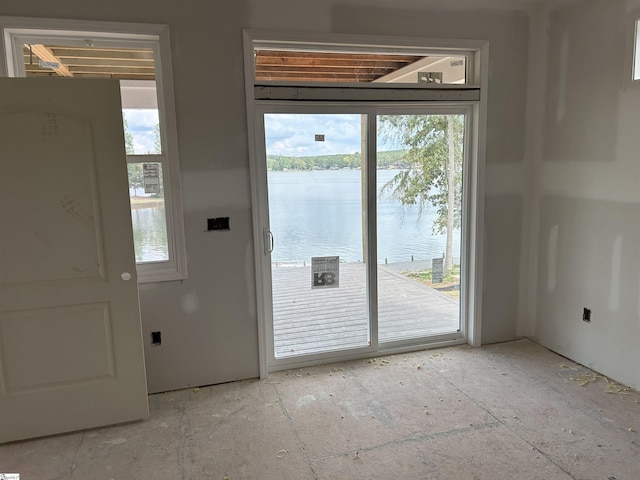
[[44, 458], [237, 430], [305, 400], [508, 411], [360, 407]]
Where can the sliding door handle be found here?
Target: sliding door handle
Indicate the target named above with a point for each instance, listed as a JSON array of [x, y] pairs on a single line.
[[268, 241]]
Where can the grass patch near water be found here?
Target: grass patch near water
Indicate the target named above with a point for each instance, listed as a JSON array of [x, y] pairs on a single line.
[[450, 284]]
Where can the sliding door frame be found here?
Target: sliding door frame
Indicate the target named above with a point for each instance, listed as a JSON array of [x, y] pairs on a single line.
[[444, 108], [261, 192], [369, 159]]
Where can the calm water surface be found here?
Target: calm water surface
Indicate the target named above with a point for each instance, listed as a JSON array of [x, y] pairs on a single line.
[[319, 213], [150, 234]]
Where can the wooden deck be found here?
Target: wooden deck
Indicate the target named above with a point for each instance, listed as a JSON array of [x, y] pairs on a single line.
[[310, 320]]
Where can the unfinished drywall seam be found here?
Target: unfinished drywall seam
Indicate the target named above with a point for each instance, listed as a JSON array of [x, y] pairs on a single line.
[[536, 93]]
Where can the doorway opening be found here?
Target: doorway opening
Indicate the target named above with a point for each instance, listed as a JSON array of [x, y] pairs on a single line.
[[326, 219], [366, 205]]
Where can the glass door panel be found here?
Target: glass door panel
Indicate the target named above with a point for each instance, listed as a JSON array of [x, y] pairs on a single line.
[[419, 195], [315, 175]]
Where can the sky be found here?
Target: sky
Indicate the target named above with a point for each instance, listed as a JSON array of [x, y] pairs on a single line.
[[286, 134], [140, 124], [294, 134]]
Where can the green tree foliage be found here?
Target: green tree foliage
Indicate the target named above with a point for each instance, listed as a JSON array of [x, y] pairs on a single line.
[[326, 162], [157, 149], [433, 153], [128, 138], [157, 144], [136, 170], [135, 176], [133, 169], [160, 194]]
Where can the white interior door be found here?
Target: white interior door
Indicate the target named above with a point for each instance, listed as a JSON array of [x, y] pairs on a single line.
[[71, 352]]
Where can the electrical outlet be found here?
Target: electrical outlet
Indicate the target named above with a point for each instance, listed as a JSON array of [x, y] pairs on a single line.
[[156, 338], [220, 223], [586, 315]]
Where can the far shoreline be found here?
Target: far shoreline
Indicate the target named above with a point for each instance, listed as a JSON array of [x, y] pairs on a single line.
[[146, 202]]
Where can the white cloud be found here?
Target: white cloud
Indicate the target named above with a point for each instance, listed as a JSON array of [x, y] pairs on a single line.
[[141, 124], [294, 134]]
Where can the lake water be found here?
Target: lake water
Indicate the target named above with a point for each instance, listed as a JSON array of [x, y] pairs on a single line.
[[319, 213], [150, 234]]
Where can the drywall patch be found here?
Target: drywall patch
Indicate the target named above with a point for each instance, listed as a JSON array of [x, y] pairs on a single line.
[[561, 108], [552, 258], [189, 303], [616, 265]]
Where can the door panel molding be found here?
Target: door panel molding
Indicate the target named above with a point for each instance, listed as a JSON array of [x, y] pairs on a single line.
[[71, 353]]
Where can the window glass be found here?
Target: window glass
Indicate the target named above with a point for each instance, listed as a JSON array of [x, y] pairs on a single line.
[[347, 67], [142, 131], [135, 68], [148, 212], [130, 58]]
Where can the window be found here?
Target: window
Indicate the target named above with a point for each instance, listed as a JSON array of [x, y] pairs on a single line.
[[140, 60], [294, 80], [313, 65]]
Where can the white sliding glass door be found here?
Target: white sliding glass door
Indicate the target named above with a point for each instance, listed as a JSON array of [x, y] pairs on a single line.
[[419, 185], [314, 178], [364, 214]]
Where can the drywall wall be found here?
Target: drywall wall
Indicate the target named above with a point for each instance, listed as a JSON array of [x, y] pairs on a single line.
[[589, 228], [508, 34], [209, 320]]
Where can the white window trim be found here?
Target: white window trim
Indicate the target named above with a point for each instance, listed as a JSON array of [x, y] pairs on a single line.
[[156, 36], [632, 57], [478, 77]]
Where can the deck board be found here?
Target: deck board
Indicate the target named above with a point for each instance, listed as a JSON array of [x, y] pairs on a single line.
[[307, 320]]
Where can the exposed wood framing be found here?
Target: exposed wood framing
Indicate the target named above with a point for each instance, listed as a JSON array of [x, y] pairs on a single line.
[[124, 64], [271, 65], [46, 55], [326, 66]]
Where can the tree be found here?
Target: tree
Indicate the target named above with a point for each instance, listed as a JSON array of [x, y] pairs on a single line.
[[157, 143], [433, 152], [133, 169], [136, 176], [128, 138], [157, 149]]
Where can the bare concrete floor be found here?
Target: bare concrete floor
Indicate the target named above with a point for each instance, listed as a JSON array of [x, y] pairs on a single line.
[[509, 411]]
